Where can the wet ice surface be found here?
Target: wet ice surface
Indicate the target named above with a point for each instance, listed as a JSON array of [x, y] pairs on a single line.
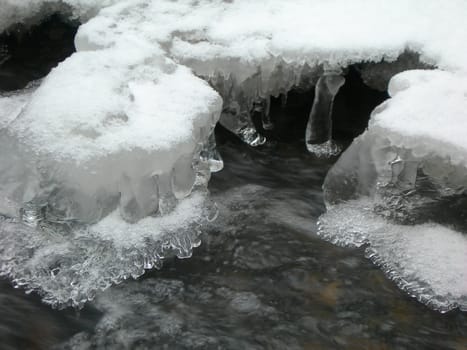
[[261, 279]]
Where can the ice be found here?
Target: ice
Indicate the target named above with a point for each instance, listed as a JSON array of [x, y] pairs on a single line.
[[110, 127], [265, 57], [401, 188], [101, 172], [122, 131], [319, 129], [68, 266], [211, 155], [426, 260]]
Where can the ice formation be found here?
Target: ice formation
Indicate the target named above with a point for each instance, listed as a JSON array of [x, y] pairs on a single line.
[[263, 56], [103, 170], [401, 188], [123, 129]]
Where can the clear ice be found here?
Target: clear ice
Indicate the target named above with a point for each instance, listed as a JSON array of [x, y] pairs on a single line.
[[319, 128]]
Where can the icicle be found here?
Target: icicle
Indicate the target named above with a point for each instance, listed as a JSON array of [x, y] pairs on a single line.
[[210, 154], [319, 129], [139, 198], [262, 106], [183, 176], [404, 173], [235, 119]]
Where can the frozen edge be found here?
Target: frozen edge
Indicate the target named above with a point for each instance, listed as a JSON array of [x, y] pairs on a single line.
[[150, 254], [355, 238]]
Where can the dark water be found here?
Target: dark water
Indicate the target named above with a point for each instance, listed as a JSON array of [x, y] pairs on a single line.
[[261, 280]]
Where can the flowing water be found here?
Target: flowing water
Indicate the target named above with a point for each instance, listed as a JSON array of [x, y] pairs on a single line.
[[261, 279]]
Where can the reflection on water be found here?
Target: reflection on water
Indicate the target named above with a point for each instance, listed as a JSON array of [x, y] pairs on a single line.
[[262, 279]]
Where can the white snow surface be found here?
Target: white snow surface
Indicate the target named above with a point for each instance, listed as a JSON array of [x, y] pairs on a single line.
[[427, 113], [337, 31], [100, 102]]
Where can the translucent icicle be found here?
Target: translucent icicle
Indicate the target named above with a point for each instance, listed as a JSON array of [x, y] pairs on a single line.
[[239, 122], [319, 129], [139, 198], [404, 173], [210, 155], [183, 177], [261, 107]]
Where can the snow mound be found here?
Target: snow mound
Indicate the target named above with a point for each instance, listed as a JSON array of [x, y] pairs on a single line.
[[401, 188]]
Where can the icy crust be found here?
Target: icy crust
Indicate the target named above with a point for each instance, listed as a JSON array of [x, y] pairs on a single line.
[[427, 261], [68, 267]]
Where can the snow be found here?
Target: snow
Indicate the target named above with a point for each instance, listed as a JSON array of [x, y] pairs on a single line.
[[114, 134], [93, 104], [427, 113], [399, 188]]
